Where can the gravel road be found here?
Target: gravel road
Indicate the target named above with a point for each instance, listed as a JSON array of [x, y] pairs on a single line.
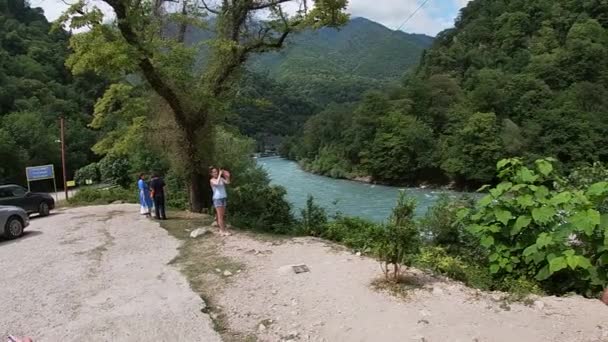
[[97, 274]]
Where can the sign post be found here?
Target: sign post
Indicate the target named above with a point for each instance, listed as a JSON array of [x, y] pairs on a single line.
[[37, 173]]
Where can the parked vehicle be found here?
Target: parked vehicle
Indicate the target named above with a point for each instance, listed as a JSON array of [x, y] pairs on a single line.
[[13, 221], [31, 202]]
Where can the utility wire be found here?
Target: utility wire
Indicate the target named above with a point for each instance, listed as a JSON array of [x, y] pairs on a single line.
[[422, 4]]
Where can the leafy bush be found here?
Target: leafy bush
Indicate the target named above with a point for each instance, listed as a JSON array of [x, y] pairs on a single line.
[[90, 171], [313, 219], [90, 196], [533, 229], [353, 232], [441, 227], [177, 191], [399, 241], [261, 207], [437, 260], [115, 170]]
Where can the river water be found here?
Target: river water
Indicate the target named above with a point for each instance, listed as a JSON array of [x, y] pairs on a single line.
[[372, 202]]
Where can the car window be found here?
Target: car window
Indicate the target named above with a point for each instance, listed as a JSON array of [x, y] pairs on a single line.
[[18, 191], [5, 193]]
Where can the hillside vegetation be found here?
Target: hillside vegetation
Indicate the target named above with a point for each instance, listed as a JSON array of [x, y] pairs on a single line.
[[513, 78]]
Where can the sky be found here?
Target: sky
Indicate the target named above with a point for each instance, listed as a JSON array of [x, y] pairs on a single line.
[[434, 17]]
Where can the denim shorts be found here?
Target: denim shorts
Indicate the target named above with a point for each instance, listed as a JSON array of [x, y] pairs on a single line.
[[220, 202]]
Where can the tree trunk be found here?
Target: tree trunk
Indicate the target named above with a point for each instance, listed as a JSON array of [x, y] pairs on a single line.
[[199, 191], [605, 296]]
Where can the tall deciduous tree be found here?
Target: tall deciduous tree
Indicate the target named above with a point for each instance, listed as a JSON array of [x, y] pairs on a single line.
[[149, 37]]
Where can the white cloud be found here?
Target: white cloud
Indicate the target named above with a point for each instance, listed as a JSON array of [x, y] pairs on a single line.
[[435, 16]]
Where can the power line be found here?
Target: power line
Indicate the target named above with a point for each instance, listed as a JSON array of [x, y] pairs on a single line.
[[412, 15], [422, 4]]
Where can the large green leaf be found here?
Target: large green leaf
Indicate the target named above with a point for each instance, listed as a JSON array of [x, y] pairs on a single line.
[[597, 189], [526, 175], [525, 201], [530, 250], [586, 221], [557, 264], [485, 201], [502, 163], [544, 240], [521, 222], [503, 216], [544, 167], [494, 268], [561, 198], [543, 215], [487, 241], [543, 274]]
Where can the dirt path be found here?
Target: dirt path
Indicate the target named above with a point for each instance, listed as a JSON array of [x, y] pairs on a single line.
[[334, 302], [98, 274]]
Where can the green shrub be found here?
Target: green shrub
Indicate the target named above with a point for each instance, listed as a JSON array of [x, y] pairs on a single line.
[[533, 229], [400, 240], [353, 232], [313, 219], [437, 260], [90, 196], [85, 173], [261, 207], [441, 227], [177, 191], [115, 170]]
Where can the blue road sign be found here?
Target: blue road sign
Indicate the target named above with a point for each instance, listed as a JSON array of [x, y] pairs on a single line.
[[40, 172]]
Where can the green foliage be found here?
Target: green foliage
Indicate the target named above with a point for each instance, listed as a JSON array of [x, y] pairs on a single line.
[[313, 219], [96, 196], [115, 170], [37, 89], [533, 229], [438, 260], [261, 207], [354, 232], [89, 172], [512, 79], [399, 241]]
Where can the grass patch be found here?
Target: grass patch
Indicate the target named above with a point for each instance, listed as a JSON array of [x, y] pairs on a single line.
[[199, 259]]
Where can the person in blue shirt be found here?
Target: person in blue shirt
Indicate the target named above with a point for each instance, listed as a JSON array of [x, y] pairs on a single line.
[[219, 180], [144, 196]]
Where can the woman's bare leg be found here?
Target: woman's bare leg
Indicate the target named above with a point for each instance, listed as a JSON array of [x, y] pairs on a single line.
[[220, 218]]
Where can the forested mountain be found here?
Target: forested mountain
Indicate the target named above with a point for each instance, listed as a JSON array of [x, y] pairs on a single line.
[[513, 78], [35, 90], [338, 65]]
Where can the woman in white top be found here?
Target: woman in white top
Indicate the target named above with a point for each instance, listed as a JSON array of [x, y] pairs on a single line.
[[219, 180]]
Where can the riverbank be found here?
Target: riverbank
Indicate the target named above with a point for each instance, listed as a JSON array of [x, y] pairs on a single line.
[[254, 294]]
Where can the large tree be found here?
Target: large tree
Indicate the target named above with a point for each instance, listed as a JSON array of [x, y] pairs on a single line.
[[149, 38]]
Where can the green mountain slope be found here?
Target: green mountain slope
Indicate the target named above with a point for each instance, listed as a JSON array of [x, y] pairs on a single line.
[[512, 78], [362, 48], [332, 65]]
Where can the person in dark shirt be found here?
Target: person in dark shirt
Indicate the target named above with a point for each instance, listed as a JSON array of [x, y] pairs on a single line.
[[157, 187]]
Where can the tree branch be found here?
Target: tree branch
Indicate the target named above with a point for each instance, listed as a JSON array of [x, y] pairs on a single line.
[[263, 5], [145, 64], [209, 9]]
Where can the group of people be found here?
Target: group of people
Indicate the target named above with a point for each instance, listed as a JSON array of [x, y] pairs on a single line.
[[152, 195]]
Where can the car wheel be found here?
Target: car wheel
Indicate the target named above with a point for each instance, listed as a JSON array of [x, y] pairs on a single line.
[[43, 209], [13, 228]]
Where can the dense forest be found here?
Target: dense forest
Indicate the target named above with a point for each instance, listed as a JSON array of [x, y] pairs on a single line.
[[512, 78], [35, 90]]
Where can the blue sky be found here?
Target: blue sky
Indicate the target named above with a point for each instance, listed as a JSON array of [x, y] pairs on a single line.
[[434, 17]]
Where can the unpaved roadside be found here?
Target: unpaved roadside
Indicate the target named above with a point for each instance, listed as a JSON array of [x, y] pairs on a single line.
[[98, 274], [334, 301]]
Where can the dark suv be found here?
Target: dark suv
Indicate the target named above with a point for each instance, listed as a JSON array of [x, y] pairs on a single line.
[[32, 202]]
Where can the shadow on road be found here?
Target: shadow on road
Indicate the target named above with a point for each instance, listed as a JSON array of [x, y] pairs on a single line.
[[26, 235], [38, 217]]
